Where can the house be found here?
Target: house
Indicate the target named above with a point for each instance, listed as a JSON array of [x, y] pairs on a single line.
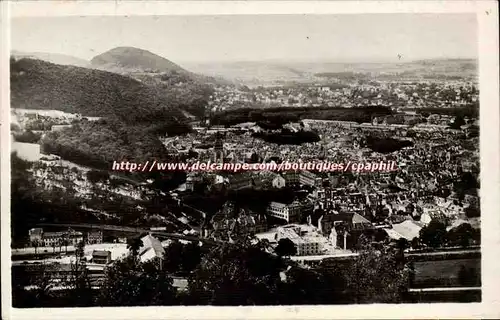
[[407, 229], [101, 256], [151, 248], [278, 182], [227, 223]]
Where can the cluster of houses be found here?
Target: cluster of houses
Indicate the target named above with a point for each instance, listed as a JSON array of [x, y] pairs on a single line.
[[40, 238]]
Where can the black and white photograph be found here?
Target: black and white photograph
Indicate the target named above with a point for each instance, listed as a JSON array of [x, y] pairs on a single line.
[[244, 160]]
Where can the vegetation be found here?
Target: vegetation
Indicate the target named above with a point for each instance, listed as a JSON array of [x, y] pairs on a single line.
[[288, 137], [238, 274], [471, 111], [286, 248], [386, 145], [435, 235], [134, 58], [358, 114], [97, 144], [37, 84], [27, 137]]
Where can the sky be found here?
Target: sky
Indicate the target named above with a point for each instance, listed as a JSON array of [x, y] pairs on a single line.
[[305, 38]]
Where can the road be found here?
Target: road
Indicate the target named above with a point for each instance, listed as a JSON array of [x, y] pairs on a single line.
[[444, 289], [131, 230], [408, 254]]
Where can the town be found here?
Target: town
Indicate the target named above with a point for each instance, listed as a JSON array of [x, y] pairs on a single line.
[[312, 217]]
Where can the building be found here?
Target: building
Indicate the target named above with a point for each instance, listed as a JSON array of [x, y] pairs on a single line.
[[218, 154], [94, 237], [291, 177], [151, 248], [348, 226], [306, 245], [229, 224], [50, 239], [301, 177], [35, 236], [278, 182], [288, 212], [407, 229], [308, 178], [240, 181], [251, 223], [326, 222], [101, 256]]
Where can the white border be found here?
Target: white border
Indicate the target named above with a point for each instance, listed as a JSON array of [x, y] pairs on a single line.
[[487, 14]]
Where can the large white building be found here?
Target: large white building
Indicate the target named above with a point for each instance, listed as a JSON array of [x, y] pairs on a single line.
[[306, 245], [288, 212]]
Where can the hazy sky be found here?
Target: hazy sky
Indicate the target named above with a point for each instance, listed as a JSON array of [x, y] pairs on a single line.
[[360, 37]]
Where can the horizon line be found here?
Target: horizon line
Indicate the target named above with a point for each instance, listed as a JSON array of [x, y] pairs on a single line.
[[276, 60]]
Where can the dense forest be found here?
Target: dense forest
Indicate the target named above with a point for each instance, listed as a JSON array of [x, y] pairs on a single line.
[[471, 111], [288, 137], [37, 84], [386, 145], [187, 91], [98, 144], [133, 113], [358, 114]]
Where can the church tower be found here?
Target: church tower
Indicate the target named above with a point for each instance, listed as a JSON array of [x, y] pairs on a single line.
[[218, 156]]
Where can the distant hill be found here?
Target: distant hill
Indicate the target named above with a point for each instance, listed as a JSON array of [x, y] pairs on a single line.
[[252, 72], [37, 84], [133, 59], [52, 57]]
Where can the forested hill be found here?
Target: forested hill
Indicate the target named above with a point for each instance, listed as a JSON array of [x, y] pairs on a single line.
[[37, 84], [134, 59]]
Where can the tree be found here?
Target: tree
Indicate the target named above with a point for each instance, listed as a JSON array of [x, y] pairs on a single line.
[[286, 247], [434, 235], [462, 235], [134, 245], [131, 283], [40, 277], [191, 256], [457, 122], [468, 277], [95, 176], [312, 286], [401, 244], [36, 244], [415, 243], [376, 277], [81, 294], [173, 257], [238, 274]]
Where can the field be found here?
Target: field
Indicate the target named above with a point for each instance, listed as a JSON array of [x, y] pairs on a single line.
[[450, 273]]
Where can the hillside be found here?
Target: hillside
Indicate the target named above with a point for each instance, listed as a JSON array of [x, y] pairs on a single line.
[[52, 57], [37, 84], [133, 59]]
